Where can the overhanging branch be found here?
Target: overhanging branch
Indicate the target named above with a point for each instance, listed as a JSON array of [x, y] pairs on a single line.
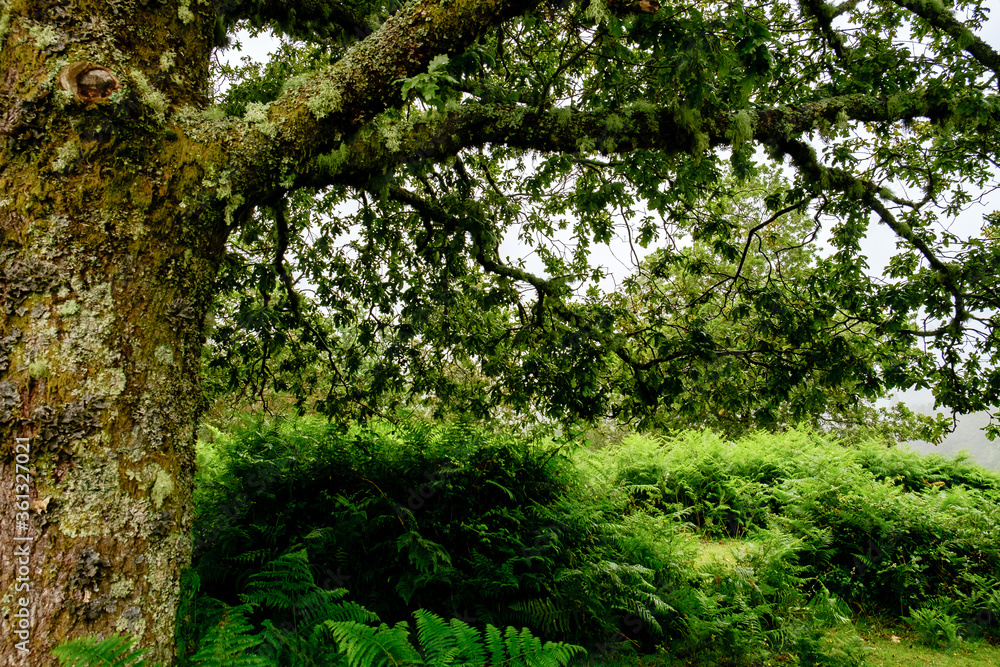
[[281, 140], [941, 17], [804, 158], [437, 135]]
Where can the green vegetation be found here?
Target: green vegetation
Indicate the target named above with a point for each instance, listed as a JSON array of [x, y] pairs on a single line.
[[896, 645], [691, 549], [415, 204]]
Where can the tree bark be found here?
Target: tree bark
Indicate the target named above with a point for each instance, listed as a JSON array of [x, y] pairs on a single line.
[[107, 264]]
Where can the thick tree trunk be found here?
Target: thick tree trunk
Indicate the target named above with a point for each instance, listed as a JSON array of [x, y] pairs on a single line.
[[106, 266], [117, 193]]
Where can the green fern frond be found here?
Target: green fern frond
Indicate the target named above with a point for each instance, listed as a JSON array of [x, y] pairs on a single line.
[[231, 642], [365, 646], [491, 577], [509, 493], [495, 645], [428, 556], [282, 582], [115, 651], [254, 556], [287, 583], [435, 635], [467, 641], [544, 613], [446, 644], [456, 643], [525, 650]]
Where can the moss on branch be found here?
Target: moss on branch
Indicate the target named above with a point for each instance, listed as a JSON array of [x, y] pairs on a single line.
[[436, 135]]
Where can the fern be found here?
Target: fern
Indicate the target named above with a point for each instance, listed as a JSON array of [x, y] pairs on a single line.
[[115, 651], [231, 642], [544, 613], [281, 583], [431, 561], [287, 584], [524, 649], [365, 646], [445, 644], [300, 649]]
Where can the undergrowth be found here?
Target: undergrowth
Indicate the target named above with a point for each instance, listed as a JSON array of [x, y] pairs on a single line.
[[886, 530], [465, 531]]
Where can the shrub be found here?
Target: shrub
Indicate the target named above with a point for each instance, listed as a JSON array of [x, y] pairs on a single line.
[[453, 519]]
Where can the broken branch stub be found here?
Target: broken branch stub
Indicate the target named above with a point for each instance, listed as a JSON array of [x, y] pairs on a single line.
[[88, 82]]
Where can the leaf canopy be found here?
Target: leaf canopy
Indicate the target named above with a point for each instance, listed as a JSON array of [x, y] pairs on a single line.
[[455, 248]]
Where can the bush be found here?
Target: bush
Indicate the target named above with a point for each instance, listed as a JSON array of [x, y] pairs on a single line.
[[453, 519], [587, 546], [934, 627], [885, 529]]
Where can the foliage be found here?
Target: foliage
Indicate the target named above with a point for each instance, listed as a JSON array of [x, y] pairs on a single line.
[[115, 651], [453, 519], [446, 643], [934, 626], [287, 584], [886, 529], [230, 642], [296, 622], [767, 603], [586, 545], [574, 543], [394, 277]]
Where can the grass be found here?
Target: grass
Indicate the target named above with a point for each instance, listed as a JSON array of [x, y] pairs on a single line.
[[896, 646], [711, 551]]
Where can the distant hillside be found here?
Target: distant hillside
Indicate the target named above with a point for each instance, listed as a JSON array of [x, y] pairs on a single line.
[[968, 436]]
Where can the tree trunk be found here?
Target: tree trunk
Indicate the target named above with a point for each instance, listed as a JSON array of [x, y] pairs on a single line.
[[117, 193], [107, 261]]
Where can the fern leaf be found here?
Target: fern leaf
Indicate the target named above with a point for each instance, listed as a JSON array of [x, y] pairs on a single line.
[[495, 645], [365, 646], [435, 636], [231, 642], [519, 648], [115, 651], [468, 642], [544, 613], [282, 582]]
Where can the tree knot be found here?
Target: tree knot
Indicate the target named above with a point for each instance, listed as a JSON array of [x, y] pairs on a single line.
[[88, 82]]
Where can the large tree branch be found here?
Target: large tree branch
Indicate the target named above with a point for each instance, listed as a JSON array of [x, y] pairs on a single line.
[[368, 154], [273, 144], [566, 131], [824, 14]]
